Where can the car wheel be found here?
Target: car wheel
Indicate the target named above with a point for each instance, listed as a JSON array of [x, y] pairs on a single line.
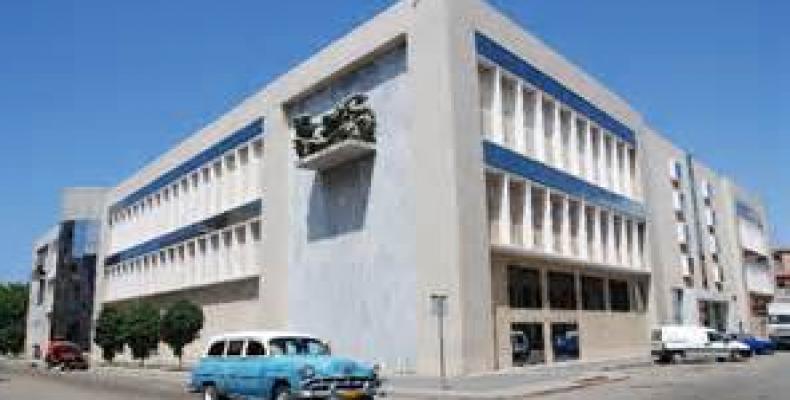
[[281, 392], [210, 393]]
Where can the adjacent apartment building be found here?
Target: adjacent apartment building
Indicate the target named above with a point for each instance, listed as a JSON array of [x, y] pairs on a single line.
[[782, 265], [438, 150], [710, 239], [63, 274]]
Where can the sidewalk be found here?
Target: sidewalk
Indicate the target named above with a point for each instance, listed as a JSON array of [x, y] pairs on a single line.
[[514, 383]]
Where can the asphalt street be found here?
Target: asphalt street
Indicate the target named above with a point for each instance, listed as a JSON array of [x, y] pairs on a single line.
[[763, 378]]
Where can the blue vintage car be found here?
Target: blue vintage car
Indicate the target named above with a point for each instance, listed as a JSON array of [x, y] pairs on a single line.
[[756, 344], [279, 366]]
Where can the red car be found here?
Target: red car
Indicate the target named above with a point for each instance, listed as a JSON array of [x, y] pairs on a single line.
[[65, 355]]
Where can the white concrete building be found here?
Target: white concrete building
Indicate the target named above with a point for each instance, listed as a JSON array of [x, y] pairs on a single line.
[[502, 177]]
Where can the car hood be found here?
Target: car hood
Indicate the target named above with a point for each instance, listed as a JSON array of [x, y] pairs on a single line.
[[332, 366]]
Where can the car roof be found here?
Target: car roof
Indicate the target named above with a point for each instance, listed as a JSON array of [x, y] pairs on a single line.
[[264, 336]]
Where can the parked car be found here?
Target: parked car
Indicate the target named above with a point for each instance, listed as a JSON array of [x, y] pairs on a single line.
[[520, 345], [566, 346], [279, 366], [757, 345], [65, 356], [672, 343]]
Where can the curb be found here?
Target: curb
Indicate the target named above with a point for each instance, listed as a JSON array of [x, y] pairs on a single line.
[[520, 392], [147, 385]]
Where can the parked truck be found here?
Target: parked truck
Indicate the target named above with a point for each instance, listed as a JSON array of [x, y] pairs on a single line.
[[779, 322]]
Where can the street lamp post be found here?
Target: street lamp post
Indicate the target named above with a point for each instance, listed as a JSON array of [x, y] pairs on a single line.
[[439, 308]]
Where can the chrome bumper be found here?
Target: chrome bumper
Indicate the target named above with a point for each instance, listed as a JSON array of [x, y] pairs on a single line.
[[339, 389]]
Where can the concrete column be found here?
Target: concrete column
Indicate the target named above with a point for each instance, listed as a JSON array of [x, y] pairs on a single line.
[[624, 250], [612, 259], [578, 279], [548, 225], [557, 138], [518, 120], [606, 294], [597, 250], [538, 135], [603, 170], [637, 258], [497, 129], [573, 143], [626, 170], [565, 236], [637, 179], [528, 239], [504, 211], [616, 184], [582, 217], [588, 152]]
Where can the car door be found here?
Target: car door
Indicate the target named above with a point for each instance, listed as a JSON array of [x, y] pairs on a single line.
[[233, 382], [252, 378], [717, 345], [211, 366]]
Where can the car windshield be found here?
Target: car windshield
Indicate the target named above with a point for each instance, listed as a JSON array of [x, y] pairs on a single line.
[[292, 346]]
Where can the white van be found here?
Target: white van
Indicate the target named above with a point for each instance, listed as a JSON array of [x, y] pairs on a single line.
[[673, 343], [779, 323]]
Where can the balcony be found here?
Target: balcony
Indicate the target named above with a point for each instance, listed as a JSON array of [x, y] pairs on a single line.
[[337, 154]]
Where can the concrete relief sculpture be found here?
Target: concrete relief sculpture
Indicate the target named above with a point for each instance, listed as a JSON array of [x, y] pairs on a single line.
[[352, 119]]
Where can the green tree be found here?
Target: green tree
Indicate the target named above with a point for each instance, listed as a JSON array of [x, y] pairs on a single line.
[[181, 325], [110, 332], [141, 330], [13, 317]]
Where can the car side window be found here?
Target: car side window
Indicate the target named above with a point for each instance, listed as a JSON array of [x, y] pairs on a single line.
[[255, 349], [217, 349], [235, 348]]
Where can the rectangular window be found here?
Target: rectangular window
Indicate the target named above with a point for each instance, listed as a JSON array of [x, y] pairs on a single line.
[[244, 156], [562, 291], [526, 341], [677, 305], [565, 341], [486, 87], [618, 296], [509, 88], [593, 294], [524, 288], [230, 162], [42, 285], [257, 149]]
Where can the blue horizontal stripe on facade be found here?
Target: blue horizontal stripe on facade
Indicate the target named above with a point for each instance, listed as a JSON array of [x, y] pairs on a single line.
[[517, 66], [509, 161], [217, 222], [242, 135]]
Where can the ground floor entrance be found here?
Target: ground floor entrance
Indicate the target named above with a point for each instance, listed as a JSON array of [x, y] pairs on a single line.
[[546, 312], [713, 314]]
